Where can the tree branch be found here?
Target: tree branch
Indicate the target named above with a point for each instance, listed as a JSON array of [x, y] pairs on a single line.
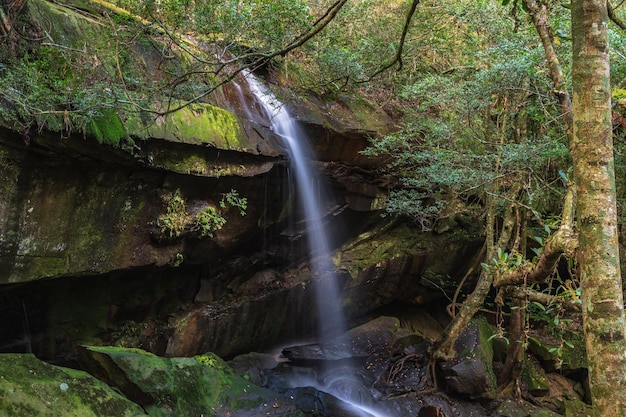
[[398, 56], [564, 241], [621, 24], [542, 298], [445, 346], [539, 15], [261, 58]]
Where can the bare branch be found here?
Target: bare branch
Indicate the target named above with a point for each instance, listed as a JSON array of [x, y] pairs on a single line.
[[398, 56], [611, 11]]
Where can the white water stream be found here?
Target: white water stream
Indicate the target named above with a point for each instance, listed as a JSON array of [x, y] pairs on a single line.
[[331, 318]]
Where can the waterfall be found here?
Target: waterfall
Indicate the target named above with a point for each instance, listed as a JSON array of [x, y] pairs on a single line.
[[312, 200]]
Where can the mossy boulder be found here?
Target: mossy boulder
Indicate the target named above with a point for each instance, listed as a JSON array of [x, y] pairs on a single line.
[[534, 378], [204, 385], [556, 354], [30, 387], [470, 373]]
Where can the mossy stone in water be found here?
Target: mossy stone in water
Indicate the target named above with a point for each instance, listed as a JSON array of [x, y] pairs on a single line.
[[30, 387]]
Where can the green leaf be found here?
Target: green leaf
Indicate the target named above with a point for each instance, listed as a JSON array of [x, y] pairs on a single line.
[[505, 2], [539, 305], [525, 7]]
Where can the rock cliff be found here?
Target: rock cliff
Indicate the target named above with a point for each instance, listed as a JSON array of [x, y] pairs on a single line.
[[159, 222]]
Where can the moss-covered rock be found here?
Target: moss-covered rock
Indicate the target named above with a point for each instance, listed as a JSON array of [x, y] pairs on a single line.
[[471, 373], [204, 385], [195, 124], [30, 387], [512, 408], [534, 378], [555, 353]]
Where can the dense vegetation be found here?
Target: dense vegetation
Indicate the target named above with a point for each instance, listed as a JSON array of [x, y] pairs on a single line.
[[482, 134]]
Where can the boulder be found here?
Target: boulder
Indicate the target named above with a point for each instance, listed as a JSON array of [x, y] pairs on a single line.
[[374, 338], [534, 378], [204, 385], [470, 373], [30, 387]]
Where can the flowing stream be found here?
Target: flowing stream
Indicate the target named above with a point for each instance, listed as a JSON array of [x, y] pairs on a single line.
[[312, 200]]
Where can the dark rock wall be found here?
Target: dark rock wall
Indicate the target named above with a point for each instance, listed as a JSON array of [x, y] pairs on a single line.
[[85, 256]]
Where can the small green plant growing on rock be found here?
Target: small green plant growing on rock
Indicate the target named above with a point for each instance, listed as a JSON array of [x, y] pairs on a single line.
[[176, 222], [207, 221], [232, 199]]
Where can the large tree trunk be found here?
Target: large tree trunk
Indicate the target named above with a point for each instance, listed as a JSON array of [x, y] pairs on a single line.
[[592, 151]]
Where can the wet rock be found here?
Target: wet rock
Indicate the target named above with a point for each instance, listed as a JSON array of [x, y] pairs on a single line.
[[431, 411], [250, 365], [375, 337], [204, 385], [287, 312], [471, 372], [30, 387], [310, 400]]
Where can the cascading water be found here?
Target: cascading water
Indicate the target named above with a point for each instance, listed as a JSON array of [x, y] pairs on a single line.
[[311, 198], [331, 318]]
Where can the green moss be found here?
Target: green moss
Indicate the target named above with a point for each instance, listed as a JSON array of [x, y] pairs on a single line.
[[534, 378], [398, 241], [485, 331], [108, 129], [181, 386], [214, 361], [196, 124], [30, 387]]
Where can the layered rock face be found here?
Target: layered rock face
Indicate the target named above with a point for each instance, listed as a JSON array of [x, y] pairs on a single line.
[[174, 230], [74, 208]]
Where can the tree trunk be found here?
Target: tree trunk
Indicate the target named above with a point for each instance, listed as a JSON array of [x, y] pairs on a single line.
[[592, 151], [445, 345]]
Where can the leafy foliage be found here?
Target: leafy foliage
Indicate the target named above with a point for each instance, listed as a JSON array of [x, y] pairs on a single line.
[[40, 90], [176, 222], [265, 25], [207, 221], [473, 133]]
